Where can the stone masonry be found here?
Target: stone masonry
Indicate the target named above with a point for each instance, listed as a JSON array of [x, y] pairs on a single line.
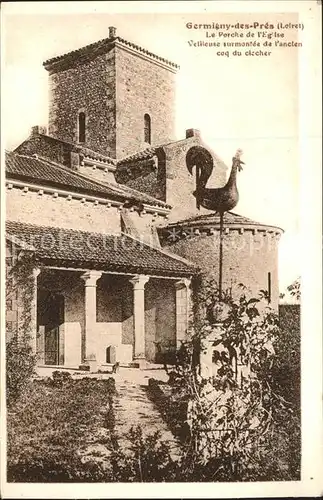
[[115, 84]]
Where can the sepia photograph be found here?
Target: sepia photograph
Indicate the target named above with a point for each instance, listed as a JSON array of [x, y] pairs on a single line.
[[156, 273]]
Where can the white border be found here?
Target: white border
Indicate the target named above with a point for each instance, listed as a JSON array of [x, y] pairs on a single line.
[[310, 216]]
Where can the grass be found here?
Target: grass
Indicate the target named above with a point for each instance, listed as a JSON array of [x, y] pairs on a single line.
[[51, 423]]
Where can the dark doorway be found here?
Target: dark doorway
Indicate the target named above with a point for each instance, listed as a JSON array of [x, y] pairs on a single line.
[[50, 313]]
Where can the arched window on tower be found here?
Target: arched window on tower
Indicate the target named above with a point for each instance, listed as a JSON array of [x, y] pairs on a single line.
[[81, 127], [147, 128]]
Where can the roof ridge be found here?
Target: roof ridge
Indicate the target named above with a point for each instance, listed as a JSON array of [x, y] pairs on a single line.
[[80, 147], [110, 41]]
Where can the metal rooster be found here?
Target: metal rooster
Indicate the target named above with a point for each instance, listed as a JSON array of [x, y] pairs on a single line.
[[218, 199]]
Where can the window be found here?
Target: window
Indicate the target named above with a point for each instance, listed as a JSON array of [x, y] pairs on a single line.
[[269, 287], [147, 129], [81, 127]]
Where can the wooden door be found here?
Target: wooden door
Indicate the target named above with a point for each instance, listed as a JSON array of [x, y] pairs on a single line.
[[51, 316], [52, 346]]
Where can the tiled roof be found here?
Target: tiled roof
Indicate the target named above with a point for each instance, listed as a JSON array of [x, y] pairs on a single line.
[[106, 44], [87, 250], [213, 219], [148, 153], [70, 146], [45, 172], [145, 154]]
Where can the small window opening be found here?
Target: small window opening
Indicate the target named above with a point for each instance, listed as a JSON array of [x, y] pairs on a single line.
[[269, 287], [147, 128], [81, 127]]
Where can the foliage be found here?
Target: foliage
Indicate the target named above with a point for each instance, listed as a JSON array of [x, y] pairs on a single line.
[[20, 358], [237, 412], [236, 419], [295, 289], [286, 371], [50, 425], [20, 367], [148, 459]]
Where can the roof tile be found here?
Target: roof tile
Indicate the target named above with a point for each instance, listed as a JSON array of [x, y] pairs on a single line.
[[45, 172], [81, 249], [105, 44]]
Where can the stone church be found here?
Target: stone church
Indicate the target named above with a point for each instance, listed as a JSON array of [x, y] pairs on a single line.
[[101, 206]]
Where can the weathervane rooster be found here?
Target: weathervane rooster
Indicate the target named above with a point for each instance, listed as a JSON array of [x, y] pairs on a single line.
[[218, 199]]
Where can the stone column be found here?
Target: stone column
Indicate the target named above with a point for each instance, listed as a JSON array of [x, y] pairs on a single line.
[[33, 311], [90, 279], [138, 283], [183, 307]]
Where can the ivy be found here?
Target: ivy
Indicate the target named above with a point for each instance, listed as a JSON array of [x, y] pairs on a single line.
[[20, 358]]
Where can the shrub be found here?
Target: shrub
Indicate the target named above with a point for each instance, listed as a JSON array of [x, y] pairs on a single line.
[[20, 367], [241, 427], [148, 459]]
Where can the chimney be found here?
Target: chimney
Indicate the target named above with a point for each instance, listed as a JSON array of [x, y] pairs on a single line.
[[112, 32], [36, 130], [192, 132]]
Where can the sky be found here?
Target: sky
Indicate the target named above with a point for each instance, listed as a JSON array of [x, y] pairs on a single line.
[[248, 102]]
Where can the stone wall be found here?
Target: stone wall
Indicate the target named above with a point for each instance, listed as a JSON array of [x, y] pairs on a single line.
[[97, 174], [74, 334], [147, 175], [88, 88], [143, 86], [46, 210], [180, 184], [160, 321], [114, 90], [166, 177], [160, 317], [248, 257], [46, 147]]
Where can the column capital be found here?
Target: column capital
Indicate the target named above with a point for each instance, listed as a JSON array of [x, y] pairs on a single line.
[[91, 277], [36, 272], [182, 283], [138, 282]]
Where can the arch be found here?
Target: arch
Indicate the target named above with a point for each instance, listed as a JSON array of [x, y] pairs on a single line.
[[81, 126], [147, 128]]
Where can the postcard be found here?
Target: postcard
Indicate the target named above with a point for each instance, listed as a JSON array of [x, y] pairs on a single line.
[[161, 204]]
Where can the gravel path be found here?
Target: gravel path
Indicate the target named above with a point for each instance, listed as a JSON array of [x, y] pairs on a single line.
[[133, 407]]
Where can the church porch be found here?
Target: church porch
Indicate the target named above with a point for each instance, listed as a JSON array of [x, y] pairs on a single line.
[[92, 319], [95, 298]]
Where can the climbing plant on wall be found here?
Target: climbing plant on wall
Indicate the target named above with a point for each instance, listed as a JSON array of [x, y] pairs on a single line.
[[20, 359]]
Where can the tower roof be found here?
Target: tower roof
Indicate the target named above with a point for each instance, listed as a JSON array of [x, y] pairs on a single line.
[[92, 50], [207, 223]]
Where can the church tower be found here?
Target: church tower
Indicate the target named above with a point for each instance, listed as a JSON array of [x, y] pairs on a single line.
[[112, 96]]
